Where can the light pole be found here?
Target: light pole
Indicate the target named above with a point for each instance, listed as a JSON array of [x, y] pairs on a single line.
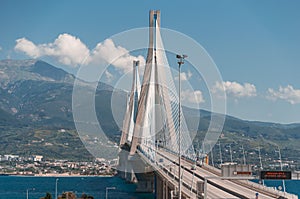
[[261, 167], [279, 154], [56, 181], [212, 155], [180, 62], [106, 191], [27, 192], [244, 157], [230, 153], [220, 151]]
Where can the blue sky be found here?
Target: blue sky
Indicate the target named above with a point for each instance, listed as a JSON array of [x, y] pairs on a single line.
[[254, 43]]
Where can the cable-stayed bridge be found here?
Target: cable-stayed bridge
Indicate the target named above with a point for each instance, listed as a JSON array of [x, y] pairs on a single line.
[[155, 135]]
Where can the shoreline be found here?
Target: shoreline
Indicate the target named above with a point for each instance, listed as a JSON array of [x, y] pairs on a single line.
[[54, 175]]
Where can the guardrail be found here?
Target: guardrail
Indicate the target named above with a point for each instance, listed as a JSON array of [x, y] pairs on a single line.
[[266, 190], [251, 185]]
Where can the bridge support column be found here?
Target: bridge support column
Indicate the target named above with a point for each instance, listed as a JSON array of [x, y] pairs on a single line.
[[167, 191], [130, 175], [143, 175], [159, 187], [200, 189], [122, 166], [145, 183]]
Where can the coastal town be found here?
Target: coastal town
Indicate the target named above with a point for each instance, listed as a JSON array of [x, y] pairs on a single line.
[[36, 165]]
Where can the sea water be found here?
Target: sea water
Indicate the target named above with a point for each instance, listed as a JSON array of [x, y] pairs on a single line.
[[291, 186], [15, 187]]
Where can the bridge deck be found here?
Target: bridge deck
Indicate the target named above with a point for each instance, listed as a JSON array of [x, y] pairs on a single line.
[[167, 165]]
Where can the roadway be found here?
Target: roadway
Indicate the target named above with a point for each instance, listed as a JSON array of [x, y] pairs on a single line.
[[169, 171], [192, 176], [190, 180]]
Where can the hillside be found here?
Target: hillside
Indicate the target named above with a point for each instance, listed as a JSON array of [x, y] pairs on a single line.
[[36, 101], [37, 93], [7, 119]]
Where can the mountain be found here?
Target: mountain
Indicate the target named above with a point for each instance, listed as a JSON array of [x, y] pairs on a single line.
[[36, 98], [37, 93], [7, 119], [252, 129], [12, 71], [36, 103]]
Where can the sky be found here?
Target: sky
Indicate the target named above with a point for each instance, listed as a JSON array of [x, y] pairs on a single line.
[[255, 44]]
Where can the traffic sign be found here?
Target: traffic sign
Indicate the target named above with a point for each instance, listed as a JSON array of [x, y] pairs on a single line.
[[275, 175]]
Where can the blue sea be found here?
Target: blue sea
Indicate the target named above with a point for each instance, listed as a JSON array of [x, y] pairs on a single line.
[[292, 186], [14, 187]]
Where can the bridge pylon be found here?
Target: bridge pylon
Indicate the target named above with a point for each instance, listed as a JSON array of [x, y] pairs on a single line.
[[132, 106], [155, 122]]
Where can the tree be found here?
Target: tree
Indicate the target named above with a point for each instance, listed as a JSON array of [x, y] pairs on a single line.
[[67, 195], [84, 196], [48, 196]]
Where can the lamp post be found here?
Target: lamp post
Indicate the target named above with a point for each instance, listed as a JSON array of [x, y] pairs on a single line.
[[231, 160], [244, 157], [220, 151], [261, 167], [180, 62], [56, 181], [27, 192], [106, 191], [279, 153]]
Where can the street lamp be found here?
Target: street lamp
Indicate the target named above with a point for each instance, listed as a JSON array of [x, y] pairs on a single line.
[[279, 153], [180, 62], [106, 191], [56, 181], [27, 192]]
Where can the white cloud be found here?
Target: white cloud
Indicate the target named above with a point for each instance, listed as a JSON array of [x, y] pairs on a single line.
[[108, 76], [28, 47], [235, 89], [71, 51], [287, 93], [184, 76], [195, 97], [189, 74], [67, 49], [117, 55]]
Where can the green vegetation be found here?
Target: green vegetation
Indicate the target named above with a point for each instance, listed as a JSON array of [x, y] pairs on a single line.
[[48, 196], [51, 143], [36, 102]]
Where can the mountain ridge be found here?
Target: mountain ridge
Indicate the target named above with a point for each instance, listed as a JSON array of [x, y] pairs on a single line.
[[41, 75], [12, 72], [38, 95]]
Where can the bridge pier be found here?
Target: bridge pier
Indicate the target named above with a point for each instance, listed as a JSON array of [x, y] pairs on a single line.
[[166, 189], [134, 170], [130, 175], [123, 163], [143, 172], [159, 187]]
